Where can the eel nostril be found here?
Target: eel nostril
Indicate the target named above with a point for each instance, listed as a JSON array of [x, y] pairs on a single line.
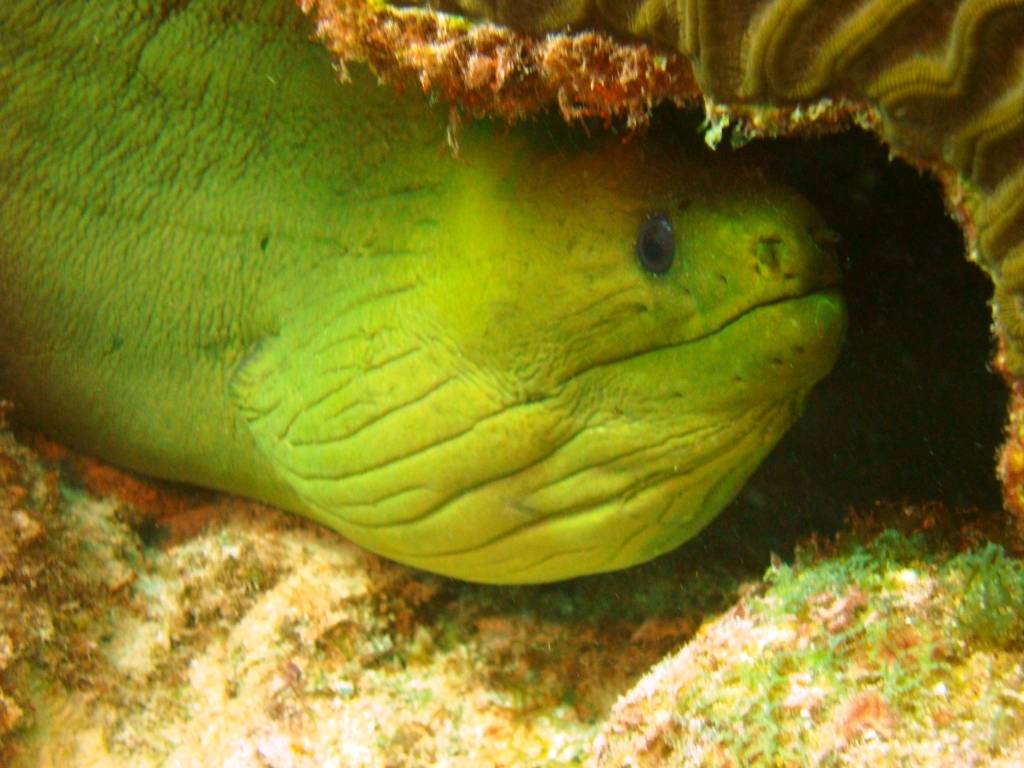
[[769, 253], [824, 237]]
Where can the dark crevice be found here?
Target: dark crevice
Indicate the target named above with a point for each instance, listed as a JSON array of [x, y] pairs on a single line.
[[912, 410]]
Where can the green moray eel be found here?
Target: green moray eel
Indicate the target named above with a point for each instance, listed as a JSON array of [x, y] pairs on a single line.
[[548, 356]]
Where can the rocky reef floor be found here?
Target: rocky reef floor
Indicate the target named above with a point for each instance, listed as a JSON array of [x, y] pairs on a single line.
[[149, 625]]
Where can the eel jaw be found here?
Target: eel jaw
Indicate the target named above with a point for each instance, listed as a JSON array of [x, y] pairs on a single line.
[[653, 466]]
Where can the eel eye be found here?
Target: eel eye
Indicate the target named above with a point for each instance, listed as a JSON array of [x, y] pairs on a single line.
[[656, 245]]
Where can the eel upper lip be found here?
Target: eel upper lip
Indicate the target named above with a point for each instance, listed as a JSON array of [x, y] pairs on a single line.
[[825, 288]]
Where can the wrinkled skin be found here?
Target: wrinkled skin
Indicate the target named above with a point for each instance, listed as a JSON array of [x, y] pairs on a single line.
[[221, 266]]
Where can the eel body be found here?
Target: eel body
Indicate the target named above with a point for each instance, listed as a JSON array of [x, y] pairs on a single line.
[[550, 355]]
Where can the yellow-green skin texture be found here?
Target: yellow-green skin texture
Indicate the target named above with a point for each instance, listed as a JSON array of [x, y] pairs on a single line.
[[221, 266]]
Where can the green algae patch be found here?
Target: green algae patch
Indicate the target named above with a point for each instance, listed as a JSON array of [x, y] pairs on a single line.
[[886, 654], [989, 609]]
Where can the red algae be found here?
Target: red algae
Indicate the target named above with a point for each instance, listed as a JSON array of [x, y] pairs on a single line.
[[483, 69]]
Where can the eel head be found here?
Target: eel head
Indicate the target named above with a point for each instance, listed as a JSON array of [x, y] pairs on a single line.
[[594, 356]]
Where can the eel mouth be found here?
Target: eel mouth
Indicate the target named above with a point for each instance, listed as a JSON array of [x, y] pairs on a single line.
[[828, 325], [794, 338], [828, 291]]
